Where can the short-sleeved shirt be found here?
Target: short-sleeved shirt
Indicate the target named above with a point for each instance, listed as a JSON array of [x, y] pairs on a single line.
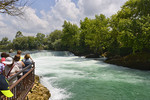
[[27, 62], [13, 71], [19, 64], [1, 68], [21, 58], [3, 59]]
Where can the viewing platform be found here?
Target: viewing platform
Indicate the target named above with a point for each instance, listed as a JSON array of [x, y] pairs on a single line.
[[22, 86]]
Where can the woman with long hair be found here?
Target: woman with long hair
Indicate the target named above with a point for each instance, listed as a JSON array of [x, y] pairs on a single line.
[[27, 61]]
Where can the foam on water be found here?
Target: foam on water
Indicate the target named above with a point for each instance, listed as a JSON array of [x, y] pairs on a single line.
[[46, 63], [56, 93], [70, 77]]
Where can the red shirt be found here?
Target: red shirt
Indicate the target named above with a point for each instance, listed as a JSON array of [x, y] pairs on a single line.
[[2, 59]]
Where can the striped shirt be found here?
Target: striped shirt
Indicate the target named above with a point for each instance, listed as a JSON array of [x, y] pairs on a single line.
[[1, 68]]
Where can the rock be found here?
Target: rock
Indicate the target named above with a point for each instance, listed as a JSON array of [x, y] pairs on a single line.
[[92, 56], [38, 92], [135, 61]]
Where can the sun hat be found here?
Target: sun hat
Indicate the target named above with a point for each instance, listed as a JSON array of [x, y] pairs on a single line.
[[8, 61], [4, 87]]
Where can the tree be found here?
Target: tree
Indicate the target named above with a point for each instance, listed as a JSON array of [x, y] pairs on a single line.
[[31, 43], [133, 24], [134, 9], [5, 44], [70, 36], [21, 43], [55, 35], [96, 33], [19, 34], [12, 7], [40, 40], [57, 45], [84, 28], [52, 38], [4, 41]]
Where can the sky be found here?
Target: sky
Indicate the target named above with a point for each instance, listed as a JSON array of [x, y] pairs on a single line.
[[45, 16]]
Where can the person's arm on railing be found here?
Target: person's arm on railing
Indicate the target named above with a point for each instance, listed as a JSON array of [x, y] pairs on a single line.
[[31, 59], [23, 65], [10, 78]]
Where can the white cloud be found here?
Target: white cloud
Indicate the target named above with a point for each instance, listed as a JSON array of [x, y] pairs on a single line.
[[62, 10], [66, 9], [31, 23], [106, 7]]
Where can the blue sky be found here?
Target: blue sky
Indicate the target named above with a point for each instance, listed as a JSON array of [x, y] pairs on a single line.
[[44, 16], [42, 5]]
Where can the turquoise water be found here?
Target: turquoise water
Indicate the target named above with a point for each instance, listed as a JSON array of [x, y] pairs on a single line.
[[69, 77]]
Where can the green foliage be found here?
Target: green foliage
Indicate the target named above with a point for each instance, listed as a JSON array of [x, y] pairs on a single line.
[[5, 44], [19, 34], [134, 9], [97, 34], [133, 25], [55, 35], [25, 43], [20, 43], [53, 40], [84, 27], [4, 41], [126, 32], [70, 36], [31, 43], [57, 44], [40, 40]]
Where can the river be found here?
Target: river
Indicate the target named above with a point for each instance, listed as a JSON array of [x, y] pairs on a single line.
[[70, 77]]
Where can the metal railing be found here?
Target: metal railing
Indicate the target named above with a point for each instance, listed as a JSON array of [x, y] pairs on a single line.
[[23, 85]]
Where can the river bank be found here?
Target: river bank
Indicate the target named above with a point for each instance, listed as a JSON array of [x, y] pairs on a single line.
[[139, 61], [38, 92]]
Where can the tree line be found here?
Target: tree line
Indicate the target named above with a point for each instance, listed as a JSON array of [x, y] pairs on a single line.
[[126, 32]]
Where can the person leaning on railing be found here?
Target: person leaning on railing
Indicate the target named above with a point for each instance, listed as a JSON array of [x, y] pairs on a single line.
[[19, 53], [20, 64], [3, 56], [1, 67], [4, 87], [10, 69], [27, 61]]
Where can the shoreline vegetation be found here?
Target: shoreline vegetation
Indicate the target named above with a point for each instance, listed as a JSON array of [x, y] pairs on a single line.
[[124, 38]]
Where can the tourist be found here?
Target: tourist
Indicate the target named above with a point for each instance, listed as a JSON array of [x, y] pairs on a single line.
[[1, 67], [19, 63], [11, 51], [10, 69], [3, 56], [19, 53], [4, 87], [27, 61], [7, 55]]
